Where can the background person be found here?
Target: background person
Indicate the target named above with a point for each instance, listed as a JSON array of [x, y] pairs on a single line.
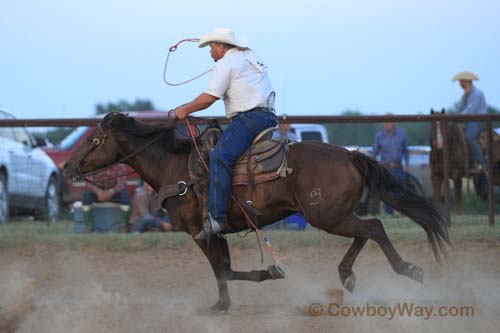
[[472, 102], [106, 186], [285, 131], [391, 144], [146, 213]]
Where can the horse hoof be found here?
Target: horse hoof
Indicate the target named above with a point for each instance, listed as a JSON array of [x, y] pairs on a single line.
[[215, 309], [276, 272], [350, 282], [416, 273]]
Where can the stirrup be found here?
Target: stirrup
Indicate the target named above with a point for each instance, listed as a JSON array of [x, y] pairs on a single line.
[[210, 227]]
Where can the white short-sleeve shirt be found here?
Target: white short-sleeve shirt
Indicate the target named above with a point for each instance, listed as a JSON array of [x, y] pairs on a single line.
[[240, 78]]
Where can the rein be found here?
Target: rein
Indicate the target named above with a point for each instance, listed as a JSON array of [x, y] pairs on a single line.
[[258, 231]]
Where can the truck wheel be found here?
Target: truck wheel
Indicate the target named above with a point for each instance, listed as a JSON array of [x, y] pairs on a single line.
[[4, 200], [52, 203]]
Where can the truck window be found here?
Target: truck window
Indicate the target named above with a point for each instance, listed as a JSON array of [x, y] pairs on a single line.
[[311, 136], [72, 138], [22, 136]]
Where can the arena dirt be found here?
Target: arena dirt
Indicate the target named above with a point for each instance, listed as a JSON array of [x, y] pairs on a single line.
[[54, 290]]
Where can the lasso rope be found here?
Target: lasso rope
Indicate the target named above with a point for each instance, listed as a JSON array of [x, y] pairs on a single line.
[[173, 48]]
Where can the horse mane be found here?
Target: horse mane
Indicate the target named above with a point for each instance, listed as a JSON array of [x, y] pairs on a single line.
[[130, 126]]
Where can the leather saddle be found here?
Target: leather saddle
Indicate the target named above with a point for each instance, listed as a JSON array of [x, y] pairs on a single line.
[[265, 160]]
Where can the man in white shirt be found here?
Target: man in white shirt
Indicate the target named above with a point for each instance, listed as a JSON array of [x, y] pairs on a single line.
[[240, 78]]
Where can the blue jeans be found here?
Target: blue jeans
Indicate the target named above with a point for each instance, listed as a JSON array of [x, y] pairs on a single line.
[[400, 174], [148, 222], [472, 131], [234, 141]]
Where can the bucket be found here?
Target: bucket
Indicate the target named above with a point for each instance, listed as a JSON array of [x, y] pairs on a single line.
[[78, 218], [106, 217]]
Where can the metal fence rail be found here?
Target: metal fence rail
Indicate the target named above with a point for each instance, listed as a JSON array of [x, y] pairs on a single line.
[[488, 119]]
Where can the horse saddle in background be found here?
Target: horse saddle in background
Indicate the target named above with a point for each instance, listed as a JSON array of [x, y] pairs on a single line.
[[265, 160]]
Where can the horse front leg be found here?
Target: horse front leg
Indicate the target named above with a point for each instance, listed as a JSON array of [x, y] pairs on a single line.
[[219, 257], [271, 273], [217, 253]]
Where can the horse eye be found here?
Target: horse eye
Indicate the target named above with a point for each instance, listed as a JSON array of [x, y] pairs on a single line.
[[96, 141]]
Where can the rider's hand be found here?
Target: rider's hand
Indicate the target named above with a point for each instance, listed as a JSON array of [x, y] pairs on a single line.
[[103, 195], [407, 168], [180, 114], [172, 113]]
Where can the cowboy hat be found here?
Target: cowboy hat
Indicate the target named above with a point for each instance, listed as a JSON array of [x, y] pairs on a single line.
[[222, 35], [469, 76]]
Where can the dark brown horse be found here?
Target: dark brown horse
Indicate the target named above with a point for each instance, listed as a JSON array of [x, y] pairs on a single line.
[[457, 163], [325, 185]]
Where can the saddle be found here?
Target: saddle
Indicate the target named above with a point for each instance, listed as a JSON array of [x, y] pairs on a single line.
[[265, 160]]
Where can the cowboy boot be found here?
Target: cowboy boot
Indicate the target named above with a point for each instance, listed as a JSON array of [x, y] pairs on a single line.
[[210, 227]]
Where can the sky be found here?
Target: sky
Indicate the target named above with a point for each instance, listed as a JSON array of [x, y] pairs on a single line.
[[59, 58]]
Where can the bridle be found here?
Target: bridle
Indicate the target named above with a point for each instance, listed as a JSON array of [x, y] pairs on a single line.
[[99, 140]]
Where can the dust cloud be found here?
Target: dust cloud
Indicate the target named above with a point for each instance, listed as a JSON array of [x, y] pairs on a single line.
[[164, 291]]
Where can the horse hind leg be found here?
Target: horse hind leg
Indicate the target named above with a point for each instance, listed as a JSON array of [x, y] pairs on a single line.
[[347, 276], [362, 230], [378, 234]]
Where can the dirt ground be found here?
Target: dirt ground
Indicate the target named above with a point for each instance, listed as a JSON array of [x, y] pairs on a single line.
[[54, 290]]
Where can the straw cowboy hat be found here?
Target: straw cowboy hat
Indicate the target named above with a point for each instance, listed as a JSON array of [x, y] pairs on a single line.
[[223, 35], [469, 76]]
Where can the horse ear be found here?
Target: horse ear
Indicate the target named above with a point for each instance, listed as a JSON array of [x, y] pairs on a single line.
[[432, 111], [443, 110], [109, 119], [106, 121]]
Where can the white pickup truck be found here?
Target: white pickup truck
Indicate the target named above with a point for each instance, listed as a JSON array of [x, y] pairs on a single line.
[[28, 176]]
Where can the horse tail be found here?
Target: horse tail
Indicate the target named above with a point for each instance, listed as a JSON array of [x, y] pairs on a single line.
[[384, 185]]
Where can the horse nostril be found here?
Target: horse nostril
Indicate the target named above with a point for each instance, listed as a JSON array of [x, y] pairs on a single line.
[[65, 166]]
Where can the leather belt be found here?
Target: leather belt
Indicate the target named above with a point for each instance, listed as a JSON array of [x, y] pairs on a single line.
[[258, 108], [394, 165]]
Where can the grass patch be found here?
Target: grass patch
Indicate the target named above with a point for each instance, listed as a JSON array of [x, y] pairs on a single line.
[[22, 234]]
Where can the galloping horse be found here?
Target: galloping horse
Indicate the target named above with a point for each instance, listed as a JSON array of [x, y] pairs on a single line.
[[457, 145], [326, 185]]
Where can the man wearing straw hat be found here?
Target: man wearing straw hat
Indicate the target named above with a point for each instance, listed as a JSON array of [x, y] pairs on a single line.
[[472, 102], [240, 78]]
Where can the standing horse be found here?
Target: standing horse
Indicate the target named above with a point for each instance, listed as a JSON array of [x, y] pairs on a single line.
[[326, 185], [457, 159]]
